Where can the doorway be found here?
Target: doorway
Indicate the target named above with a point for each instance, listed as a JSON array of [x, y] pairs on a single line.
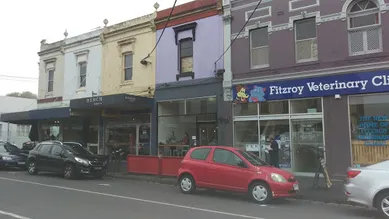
[[279, 129], [207, 133], [308, 144]]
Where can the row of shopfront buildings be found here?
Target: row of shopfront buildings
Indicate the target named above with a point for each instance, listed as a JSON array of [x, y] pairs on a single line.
[[284, 76]]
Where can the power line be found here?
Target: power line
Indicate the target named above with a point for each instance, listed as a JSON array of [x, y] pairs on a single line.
[[236, 37], [163, 30], [18, 77], [21, 80]]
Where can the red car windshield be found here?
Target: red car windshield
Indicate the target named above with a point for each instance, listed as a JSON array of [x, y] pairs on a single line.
[[254, 160]]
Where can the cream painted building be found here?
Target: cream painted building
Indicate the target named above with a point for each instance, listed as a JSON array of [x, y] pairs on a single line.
[[51, 75], [125, 45]]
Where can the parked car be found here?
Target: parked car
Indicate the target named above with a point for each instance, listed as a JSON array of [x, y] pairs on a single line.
[[71, 160], [369, 186], [232, 169], [11, 156]]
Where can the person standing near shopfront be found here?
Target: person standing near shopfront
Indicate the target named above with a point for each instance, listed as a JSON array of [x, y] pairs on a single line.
[[274, 152]]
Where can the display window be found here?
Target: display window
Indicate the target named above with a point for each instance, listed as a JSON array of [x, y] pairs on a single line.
[[295, 125], [369, 122], [186, 123]]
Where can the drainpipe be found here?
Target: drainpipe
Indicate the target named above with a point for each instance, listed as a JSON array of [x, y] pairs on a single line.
[[227, 76], [8, 131]]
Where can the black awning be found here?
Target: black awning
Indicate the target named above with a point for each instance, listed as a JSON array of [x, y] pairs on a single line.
[[50, 113], [15, 117], [118, 101], [28, 117]]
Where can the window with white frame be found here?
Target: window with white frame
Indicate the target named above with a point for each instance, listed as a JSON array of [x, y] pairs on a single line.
[[364, 28], [306, 40], [50, 80], [128, 67], [259, 48], [82, 66]]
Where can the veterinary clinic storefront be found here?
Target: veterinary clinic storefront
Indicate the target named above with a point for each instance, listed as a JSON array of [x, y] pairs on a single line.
[[343, 117]]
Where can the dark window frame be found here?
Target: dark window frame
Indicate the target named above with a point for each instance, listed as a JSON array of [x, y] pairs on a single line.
[[181, 56], [82, 75], [126, 67], [50, 80]]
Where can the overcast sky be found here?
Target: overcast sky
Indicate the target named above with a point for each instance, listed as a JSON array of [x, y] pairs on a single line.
[[26, 22]]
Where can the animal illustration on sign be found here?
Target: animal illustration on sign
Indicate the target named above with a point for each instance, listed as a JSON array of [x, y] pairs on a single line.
[[257, 94], [241, 95]]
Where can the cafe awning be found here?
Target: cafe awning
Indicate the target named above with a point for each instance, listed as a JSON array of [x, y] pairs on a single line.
[[117, 101], [27, 117]]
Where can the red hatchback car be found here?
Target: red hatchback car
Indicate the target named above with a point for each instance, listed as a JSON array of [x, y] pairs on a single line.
[[232, 169]]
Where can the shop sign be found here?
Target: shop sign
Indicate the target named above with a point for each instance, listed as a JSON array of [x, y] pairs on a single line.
[[346, 84], [94, 100]]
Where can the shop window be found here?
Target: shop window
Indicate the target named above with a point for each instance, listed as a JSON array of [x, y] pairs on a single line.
[[170, 108], [176, 130], [246, 135], [50, 131], [306, 106], [369, 122], [121, 136], [247, 109], [274, 107], [197, 106]]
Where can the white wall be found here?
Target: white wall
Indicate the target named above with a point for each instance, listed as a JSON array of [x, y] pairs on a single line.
[[10, 131], [86, 47]]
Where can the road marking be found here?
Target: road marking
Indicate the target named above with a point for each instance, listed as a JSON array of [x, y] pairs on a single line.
[[103, 184], [132, 198], [13, 215]]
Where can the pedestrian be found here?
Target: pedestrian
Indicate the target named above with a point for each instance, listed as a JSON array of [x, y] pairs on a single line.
[[274, 152]]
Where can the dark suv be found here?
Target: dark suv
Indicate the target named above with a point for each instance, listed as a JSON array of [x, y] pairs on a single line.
[[70, 159]]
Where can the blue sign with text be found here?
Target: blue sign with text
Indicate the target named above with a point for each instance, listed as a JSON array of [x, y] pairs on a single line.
[[356, 83]]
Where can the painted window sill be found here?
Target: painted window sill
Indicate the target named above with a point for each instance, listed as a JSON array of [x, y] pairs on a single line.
[[81, 90], [127, 83], [184, 75]]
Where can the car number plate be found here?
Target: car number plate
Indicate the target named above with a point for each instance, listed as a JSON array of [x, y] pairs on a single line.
[[98, 168], [296, 187], [21, 163]]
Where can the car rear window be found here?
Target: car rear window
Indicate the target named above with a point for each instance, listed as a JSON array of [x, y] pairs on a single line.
[[200, 153]]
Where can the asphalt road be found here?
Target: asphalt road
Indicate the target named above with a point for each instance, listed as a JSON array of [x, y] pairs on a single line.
[[51, 197]]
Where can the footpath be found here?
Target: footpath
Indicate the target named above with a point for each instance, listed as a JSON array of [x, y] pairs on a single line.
[[333, 195]]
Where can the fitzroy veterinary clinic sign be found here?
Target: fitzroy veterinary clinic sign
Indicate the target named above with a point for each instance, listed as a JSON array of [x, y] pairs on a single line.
[[356, 83]]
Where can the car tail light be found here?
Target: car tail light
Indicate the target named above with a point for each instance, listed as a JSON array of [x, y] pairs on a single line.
[[353, 173]]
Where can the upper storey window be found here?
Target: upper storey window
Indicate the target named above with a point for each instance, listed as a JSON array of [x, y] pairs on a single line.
[[364, 27], [306, 40]]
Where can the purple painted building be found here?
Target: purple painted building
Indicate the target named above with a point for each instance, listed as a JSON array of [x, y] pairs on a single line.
[[188, 92], [312, 73]]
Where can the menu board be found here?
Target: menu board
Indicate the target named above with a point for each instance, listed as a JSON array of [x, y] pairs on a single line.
[[373, 130]]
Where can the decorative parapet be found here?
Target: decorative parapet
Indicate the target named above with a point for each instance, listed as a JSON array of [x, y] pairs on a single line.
[[146, 21]]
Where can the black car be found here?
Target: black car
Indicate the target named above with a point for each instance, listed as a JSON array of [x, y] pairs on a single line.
[[70, 159], [28, 146], [11, 156]]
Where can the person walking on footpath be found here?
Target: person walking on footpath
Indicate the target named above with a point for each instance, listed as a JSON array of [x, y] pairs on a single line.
[[274, 152]]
